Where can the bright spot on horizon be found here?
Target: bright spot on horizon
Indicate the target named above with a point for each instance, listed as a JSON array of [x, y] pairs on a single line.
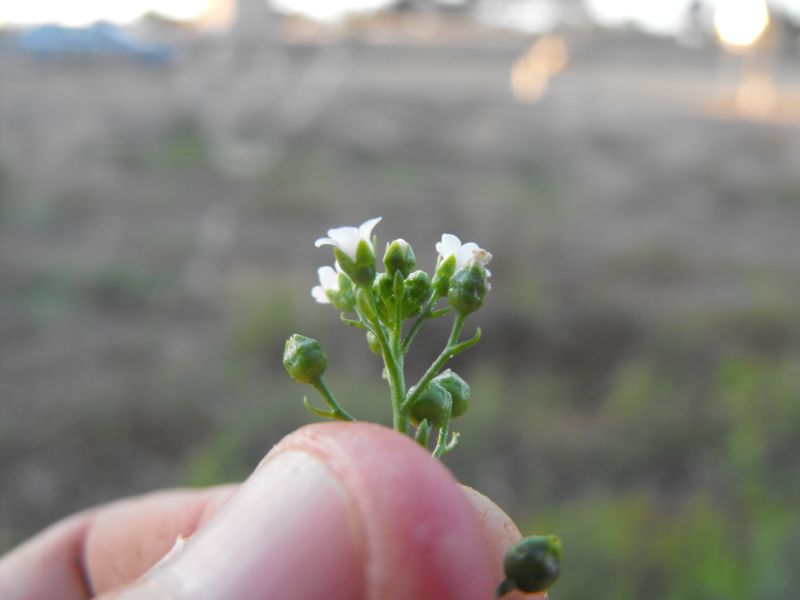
[[79, 13], [740, 22], [327, 10], [180, 10]]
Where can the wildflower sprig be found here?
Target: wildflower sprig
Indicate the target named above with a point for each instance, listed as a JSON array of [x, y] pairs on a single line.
[[391, 307]]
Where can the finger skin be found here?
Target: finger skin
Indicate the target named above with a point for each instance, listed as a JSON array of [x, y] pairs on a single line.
[[129, 536], [420, 535], [422, 538], [49, 563], [105, 546]]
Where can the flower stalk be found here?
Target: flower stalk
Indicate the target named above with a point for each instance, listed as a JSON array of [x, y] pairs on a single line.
[[391, 308]]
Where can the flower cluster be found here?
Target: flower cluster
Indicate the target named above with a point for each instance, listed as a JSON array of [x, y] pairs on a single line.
[[390, 307]]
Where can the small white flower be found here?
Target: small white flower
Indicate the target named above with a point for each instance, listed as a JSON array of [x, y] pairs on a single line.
[[329, 284], [466, 254], [348, 238]]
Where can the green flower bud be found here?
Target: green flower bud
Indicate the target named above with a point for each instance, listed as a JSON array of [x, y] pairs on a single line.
[[417, 287], [399, 256], [441, 278], [361, 269], [458, 388], [364, 304], [384, 288], [433, 404], [374, 345], [533, 563], [382, 291], [468, 288], [304, 359]]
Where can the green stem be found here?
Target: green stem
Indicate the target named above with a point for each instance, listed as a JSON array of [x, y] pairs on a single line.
[[353, 323], [394, 365], [336, 410], [441, 441], [424, 316], [450, 350]]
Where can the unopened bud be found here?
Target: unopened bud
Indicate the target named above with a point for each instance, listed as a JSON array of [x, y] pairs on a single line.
[[458, 388], [532, 564], [433, 404], [417, 287], [383, 288], [441, 278], [373, 343], [399, 256], [468, 288], [304, 359]]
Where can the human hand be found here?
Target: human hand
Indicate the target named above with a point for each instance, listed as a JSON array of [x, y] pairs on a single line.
[[334, 511]]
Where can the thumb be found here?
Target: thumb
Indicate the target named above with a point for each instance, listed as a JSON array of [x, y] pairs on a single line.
[[339, 511]]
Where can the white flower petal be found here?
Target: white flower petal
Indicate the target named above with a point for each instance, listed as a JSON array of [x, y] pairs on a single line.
[[448, 246], [328, 278], [465, 254], [346, 239], [324, 242], [365, 229], [318, 292]]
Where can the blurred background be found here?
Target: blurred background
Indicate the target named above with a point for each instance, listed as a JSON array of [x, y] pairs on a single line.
[[165, 167]]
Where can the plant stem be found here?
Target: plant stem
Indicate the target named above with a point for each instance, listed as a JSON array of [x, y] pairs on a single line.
[[441, 441], [449, 350], [393, 359], [426, 313], [337, 411]]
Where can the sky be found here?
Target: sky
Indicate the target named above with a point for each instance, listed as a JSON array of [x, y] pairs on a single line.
[[657, 16]]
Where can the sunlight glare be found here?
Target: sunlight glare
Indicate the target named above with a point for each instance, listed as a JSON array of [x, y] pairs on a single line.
[[327, 10], [740, 23]]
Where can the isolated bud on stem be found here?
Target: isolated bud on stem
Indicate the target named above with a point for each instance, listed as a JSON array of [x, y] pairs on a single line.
[[458, 388], [433, 404], [532, 564], [304, 359], [399, 256], [468, 288]]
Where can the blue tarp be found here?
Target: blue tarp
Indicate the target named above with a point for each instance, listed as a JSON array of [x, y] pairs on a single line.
[[98, 40]]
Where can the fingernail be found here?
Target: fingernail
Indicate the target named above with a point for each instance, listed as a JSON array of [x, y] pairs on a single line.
[[289, 532]]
